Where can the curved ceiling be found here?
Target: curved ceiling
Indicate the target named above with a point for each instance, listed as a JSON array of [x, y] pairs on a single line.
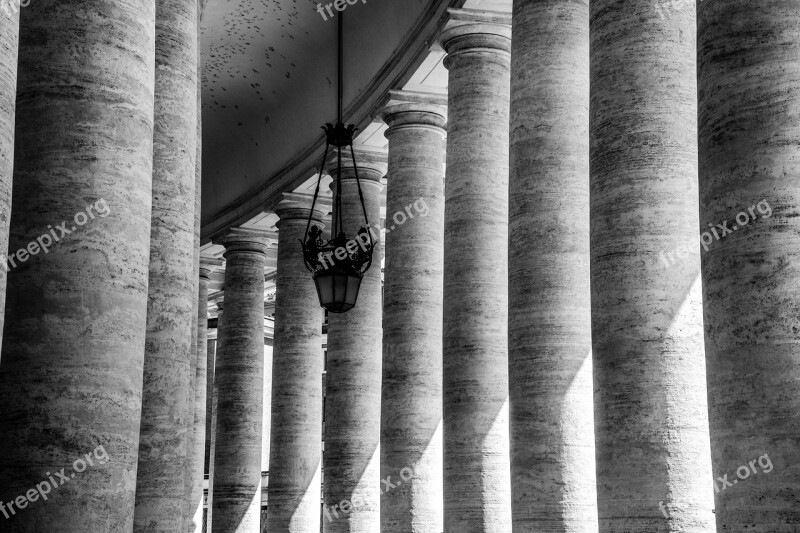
[[269, 83]]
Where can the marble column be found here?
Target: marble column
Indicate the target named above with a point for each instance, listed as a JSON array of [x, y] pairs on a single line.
[[9, 37], [351, 461], [549, 323], [71, 375], [197, 450], [651, 416], [238, 379], [411, 398], [168, 361], [477, 485], [749, 141], [296, 436]]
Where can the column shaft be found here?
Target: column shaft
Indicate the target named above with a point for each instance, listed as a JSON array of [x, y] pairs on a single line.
[[550, 336], [477, 486], [194, 490], [198, 442], [9, 37], [749, 141], [71, 378], [353, 396], [164, 433], [296, 435], [652, 440], [411, 398], [239, 382]]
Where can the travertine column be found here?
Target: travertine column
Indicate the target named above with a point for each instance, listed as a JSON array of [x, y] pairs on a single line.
[[651, 421], [353, 397], [239, 378], [296, 436], [9, 36], [212, 417], [411, 397], [197, 451], [749, 142], [168, 363], [194, 487], [550, 327], [71, 375], [477, 485]]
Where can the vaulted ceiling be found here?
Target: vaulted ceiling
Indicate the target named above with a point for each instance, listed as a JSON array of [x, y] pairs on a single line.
[[269, 83]]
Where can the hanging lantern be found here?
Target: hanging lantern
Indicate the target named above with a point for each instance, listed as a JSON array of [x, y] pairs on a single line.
[[338, 265]]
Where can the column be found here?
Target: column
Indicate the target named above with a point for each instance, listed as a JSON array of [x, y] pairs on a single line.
[[266, 415], [296, 436], [411, 399], [71, 377], [353, 399], [212, 417], [476, 437], [238, 379], [550, 336], [194, 488], [749, 99], [197, 451], [168, 362], [9, 36], [651, 422]]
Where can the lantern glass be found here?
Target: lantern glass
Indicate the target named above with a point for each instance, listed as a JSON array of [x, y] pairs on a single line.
[[337, 291]]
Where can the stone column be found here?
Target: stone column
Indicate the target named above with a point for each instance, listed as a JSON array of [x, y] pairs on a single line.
[[353, 398], [411, 399], [9, 36], [212, 417], [266, 417], [194, 518], [239, 382], [550, 335], [653, 457], [476, 437], [71, 377], [749, 141], [169, 361], [197, 451], [296, 437]]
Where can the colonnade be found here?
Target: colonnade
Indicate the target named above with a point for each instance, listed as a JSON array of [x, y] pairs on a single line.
[[531, 363]]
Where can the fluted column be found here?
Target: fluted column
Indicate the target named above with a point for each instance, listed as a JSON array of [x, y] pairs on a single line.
[[9, 37], [651, 422], [477, 486], [353, 397], [239, 381], [295, 449], [411, 399], [71, 374], [749, 141], [550, 336], [168, 362]]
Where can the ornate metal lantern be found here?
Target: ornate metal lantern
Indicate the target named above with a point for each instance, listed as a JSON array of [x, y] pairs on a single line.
[[339, 264]]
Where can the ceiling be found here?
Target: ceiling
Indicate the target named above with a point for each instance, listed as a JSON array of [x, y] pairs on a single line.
[[269, 83]]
